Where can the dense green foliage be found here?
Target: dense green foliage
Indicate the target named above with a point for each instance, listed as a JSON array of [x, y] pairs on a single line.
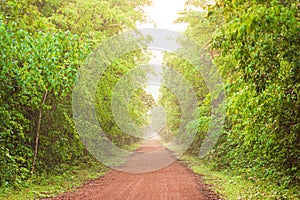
[[33, 68], [255, 46], [263, 126], [42, 46]]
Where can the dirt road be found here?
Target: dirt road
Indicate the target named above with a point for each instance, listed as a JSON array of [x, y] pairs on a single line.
[[174, 182]]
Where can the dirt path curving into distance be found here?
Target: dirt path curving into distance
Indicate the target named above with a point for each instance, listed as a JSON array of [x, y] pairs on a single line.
[[174, 182]]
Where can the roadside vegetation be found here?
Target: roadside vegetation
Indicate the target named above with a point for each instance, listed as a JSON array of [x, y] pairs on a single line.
[[255, 47], [234, 185], [42, 45], [46, 185]]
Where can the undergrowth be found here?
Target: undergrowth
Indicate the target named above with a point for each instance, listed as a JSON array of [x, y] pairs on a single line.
[[230, 185]]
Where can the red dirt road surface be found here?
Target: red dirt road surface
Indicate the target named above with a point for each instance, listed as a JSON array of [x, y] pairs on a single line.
[[174, 182]]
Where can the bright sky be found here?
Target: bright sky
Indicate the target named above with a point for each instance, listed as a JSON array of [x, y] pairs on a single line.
[[163, 13]]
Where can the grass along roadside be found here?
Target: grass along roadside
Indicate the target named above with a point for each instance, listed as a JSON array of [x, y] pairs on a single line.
[[230, 186], [45, 186]]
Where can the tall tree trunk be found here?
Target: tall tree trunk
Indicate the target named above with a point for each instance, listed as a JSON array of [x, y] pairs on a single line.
[[38, 132]]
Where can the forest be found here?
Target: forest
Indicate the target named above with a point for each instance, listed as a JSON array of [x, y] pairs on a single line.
[[254, 46]]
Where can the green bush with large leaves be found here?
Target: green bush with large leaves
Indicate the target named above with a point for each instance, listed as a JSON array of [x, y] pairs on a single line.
[[37, 71]]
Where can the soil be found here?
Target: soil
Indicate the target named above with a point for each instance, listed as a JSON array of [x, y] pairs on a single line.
[[174, 181]]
